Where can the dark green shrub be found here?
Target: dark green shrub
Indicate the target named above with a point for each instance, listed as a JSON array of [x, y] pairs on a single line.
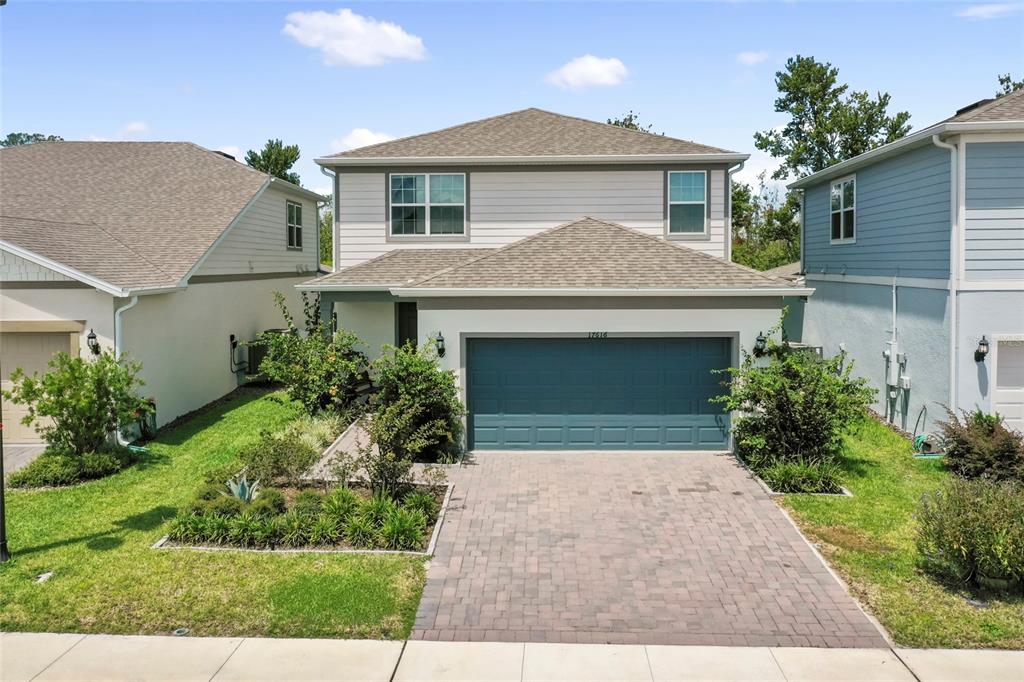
[[83, 401], [294, 528], [308, 502], [360, 532], [973, 529], [403, 529], [244, 529], [376, 509], [100, 464], [218, 477], [58, 469], [409, 379], [269, 502], [423, 502], [319, 369], [267, 532], [981, 445], [215, 528], [802, 477], [210, 491], [187, 528], [340, 504], [324, 531], [278, 458], [225, 506]]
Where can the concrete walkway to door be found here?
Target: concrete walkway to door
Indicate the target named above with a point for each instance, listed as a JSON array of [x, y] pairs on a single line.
[[628, 548]]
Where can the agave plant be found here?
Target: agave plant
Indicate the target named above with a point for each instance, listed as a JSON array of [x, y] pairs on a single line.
[[242, 489]]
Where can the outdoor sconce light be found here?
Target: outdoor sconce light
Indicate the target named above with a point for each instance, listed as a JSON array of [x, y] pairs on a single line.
[[760, 345], [982, 350], [439, 342], [92, 342]]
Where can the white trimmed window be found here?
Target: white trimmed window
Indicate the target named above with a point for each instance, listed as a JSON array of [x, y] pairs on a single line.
[[428, 204], [294, 211], [843, 198], [687, 202]]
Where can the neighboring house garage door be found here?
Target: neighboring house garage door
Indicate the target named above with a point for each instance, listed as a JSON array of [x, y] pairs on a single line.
[[1009, 394], [610, 393], [31, 351]]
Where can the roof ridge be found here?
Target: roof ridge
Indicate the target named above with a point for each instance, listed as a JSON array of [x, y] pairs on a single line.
[[631, 130], [995, 103], [137, 254], [431, 132]]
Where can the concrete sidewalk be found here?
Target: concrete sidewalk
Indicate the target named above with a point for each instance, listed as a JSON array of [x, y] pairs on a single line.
[[25, 656]]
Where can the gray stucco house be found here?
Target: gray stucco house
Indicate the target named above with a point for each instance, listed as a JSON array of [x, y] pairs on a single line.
[[916, 254]]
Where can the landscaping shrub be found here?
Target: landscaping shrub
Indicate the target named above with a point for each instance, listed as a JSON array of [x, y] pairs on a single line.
[[308, 502], [85, 401], [324, 531], [974, 530], [982, 445], [403, 529], [319, 369], [278, 457], [340, 504], [224, 505], [794, 408], [215, 528], [360, 532], [53, 468], [269, 502], [423, 502], [294, 528], [801, 477], [245, 528], [409, 379], [376, 509]]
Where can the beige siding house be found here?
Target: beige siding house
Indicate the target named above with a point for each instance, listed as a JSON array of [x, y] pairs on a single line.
[[163, 250], [575, 276]]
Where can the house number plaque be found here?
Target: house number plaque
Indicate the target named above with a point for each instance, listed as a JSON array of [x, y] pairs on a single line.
[[597, 335]]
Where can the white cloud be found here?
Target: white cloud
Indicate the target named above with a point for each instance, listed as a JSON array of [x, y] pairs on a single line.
[[129, 131], [231, 150], [589, 71], [347, 38], [989, 11], [359, 137], [752, 58]]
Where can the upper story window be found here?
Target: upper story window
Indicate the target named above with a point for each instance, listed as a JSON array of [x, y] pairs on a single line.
[[844, 210], [428, 204], [294, 225], [687, 202]]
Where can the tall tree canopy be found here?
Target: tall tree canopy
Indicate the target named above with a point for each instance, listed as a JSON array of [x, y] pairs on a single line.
[[15, 139], [826, 125], [631, 121], [327, 231], [276, 158], [1008, 85], [766, 228]]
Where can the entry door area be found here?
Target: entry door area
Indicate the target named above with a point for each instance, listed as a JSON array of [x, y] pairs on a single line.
[[603, 393], [31, 351], [1009, 393]]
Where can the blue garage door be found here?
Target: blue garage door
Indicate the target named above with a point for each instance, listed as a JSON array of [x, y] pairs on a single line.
[[611, 393]]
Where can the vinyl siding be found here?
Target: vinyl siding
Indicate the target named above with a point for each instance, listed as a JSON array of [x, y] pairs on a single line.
[[903, 220], [16, 269], [506, 206], [258, 243], [994, 211]]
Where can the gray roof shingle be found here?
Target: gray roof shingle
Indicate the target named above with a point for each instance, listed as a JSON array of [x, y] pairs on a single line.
[[1006, 108], [530, 132], [397, 268], [135, 214]]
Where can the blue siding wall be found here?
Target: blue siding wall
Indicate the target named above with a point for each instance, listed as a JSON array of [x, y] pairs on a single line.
[[903, 220], [994, 198]]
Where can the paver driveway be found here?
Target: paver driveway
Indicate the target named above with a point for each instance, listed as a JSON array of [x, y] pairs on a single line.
[[650, 548]]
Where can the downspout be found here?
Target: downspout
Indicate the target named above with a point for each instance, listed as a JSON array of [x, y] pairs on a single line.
[[728, 198], [335, 252], [118, 343], [954, 265]]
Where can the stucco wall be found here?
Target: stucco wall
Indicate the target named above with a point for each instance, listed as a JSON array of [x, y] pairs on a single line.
[[859, 316], [94, 308], [992, 314], [371, 321], [182, 338]]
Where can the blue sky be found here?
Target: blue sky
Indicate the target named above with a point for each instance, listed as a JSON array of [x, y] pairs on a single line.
[[229, 75]]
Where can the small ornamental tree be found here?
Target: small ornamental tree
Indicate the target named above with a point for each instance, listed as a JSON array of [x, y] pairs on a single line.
[[319, 369], [79, 403]]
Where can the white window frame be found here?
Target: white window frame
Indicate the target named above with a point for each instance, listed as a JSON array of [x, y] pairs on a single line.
[[426, 206], [290, 226], [842, 209], [669, 204]]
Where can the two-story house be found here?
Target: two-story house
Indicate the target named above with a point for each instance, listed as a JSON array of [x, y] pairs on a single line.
[[575, 276], [916, 253]]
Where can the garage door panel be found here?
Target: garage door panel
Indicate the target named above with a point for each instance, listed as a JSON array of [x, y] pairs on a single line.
[[621, 393], [32, 351]]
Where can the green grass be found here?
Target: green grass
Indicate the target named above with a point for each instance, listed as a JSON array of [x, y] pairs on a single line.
[[869, 540], [96, 539]]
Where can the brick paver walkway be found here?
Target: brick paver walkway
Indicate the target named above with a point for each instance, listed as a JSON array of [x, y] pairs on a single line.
[[649, 548]]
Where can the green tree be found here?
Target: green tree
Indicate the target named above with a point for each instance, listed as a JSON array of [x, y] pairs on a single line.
[[327, 232], [766, 228], [277, 159], [632, 122], [1008, 85], [16, 139], [827, 124]]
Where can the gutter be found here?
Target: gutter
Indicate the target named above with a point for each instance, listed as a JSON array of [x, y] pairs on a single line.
[[954, 263], [312, 286], [572, 159], [429, 292]]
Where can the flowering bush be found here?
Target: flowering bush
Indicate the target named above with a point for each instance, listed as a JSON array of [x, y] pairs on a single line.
[[981, 445]]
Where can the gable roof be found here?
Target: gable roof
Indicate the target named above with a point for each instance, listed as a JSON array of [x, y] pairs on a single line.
[[135, 215], [394, 268], [529, 134], [1004, 113]]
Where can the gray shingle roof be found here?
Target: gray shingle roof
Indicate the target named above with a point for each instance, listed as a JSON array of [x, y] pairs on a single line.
[[1006, 108], [397, 268], [591, 253], [135, 214], [530, 132]]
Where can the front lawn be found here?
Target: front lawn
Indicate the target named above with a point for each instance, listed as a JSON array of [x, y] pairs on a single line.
[[95, 538], [869, 539]]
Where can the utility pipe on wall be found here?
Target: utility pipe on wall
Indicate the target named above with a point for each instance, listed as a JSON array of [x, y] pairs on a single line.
[[728, 198], [954, 263]]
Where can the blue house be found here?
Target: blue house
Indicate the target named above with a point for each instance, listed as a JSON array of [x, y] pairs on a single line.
[[916, 254]]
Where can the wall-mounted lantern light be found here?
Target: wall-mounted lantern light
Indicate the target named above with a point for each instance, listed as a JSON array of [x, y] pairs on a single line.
[[92, 342], [760, 345], [439, 343], [982, 350]]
